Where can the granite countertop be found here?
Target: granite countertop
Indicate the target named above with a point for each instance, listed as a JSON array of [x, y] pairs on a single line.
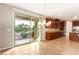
[[74, 32], [52, 30]]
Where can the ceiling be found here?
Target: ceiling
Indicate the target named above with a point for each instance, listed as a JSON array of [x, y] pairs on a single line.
[[59, 10]]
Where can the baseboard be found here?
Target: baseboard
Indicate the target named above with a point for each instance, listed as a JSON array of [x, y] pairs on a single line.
[[6, 48]]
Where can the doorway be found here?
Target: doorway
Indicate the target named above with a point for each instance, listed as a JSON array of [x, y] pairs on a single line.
[[26, 29]]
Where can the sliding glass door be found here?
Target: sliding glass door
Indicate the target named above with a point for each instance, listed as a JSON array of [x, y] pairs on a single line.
[[26, 29], [22, 30], [34, 30]]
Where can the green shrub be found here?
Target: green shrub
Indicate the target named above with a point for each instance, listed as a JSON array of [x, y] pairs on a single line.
[[23, 34], [23, 29]]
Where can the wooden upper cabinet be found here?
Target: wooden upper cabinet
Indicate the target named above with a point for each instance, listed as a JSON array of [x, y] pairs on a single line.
[[62, 25], [54, 23], [76, 23]]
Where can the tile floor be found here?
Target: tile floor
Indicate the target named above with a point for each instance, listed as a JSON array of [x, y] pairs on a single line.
[[59, 46]]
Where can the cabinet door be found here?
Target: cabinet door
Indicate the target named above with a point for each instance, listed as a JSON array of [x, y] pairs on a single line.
[[76, 23]]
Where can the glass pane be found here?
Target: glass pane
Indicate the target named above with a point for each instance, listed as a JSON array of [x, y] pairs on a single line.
[[34, 30], [22, 31]]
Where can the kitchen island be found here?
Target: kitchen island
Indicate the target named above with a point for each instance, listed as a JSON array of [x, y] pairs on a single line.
[[74, 36]]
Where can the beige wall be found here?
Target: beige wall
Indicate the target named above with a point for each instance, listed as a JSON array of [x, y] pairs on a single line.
[[68, 28], [43, 28], [0, 27], [6, 27]]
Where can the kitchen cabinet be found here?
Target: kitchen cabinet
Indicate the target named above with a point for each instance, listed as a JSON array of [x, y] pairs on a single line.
[[53, 35], [53, 29], [75, 23], [74, 36]]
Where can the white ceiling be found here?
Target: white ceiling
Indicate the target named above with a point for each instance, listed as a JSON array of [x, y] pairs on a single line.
[[54, 10]]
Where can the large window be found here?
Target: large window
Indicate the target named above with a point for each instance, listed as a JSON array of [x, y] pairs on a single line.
[[26, 29]]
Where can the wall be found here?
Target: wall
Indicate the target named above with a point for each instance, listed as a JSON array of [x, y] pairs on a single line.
[[6, 27], [68, 28], [0, 27], [41, 28]]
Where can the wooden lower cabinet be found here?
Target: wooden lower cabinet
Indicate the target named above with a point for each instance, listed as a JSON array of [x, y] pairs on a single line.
[[53, 35], [74, 37]]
